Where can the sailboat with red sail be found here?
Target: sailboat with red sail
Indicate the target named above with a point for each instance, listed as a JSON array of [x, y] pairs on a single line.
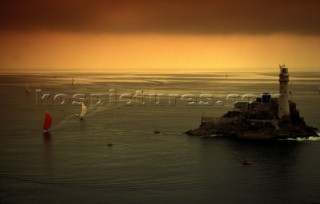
[[46, 123]]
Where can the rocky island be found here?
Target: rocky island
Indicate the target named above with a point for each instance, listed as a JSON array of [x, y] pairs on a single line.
[[265, 118]]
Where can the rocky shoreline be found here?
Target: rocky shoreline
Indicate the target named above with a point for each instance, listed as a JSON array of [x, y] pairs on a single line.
[[258, 125]]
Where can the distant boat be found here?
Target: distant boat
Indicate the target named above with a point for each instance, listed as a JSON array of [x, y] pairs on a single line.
[[246, 162], [72, 82], [156, 132], [27, 88], [83, 111], [46, 123]]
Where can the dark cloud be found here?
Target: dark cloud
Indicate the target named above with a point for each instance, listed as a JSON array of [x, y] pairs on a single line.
[[163, 16]]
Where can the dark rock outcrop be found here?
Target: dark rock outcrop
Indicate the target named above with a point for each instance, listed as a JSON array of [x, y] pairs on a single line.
[[259, 121]]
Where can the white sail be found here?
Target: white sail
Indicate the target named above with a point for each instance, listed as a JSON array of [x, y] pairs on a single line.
[[83, 111]]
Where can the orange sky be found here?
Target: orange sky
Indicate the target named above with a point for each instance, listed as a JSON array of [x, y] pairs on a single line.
[[160, 36], [151, 52]]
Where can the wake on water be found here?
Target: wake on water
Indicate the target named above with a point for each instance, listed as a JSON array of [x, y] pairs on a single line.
[[71, 115]]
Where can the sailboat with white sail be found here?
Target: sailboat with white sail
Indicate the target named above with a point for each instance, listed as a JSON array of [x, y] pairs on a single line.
[[83, 112]]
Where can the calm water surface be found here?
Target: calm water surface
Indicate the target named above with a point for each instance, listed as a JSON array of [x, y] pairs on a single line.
[[75, 164]]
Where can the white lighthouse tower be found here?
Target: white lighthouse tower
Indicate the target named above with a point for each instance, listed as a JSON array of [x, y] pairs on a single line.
[[283, 104]]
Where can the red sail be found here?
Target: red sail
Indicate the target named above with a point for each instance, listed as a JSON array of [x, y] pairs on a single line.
[[47, 122]]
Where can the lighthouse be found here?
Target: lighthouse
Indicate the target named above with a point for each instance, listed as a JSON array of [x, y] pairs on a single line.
[[283, 104]]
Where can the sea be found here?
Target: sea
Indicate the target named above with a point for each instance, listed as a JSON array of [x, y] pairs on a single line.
[[114, 155]]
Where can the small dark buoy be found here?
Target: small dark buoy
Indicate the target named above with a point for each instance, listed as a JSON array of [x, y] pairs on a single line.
[[110, 145], [246, 162]]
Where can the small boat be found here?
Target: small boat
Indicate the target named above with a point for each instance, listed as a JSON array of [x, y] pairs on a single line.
[[109, 144], [156, 132], [28, 90], [246, 162], [83, 111], [46, 123]]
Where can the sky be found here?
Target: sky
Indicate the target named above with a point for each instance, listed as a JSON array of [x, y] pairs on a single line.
[[166, 35]]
